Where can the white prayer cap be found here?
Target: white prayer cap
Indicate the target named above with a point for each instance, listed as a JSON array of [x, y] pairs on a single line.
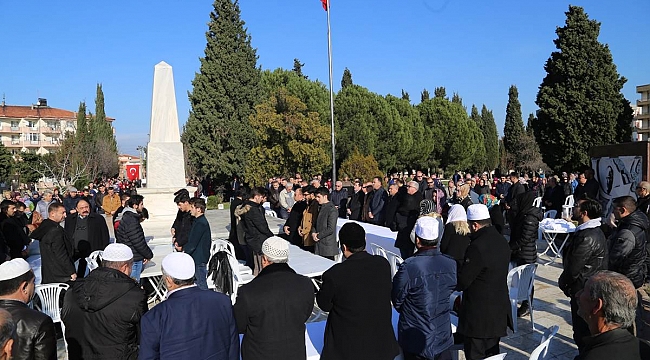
[[428, 228], [117, 252], [276, 249], [179, 265], [477, 212], [13, 269]]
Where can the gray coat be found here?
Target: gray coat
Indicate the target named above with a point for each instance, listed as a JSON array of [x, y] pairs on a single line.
[[326, 228]]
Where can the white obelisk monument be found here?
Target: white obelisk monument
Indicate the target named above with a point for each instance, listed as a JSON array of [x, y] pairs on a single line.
[[165, 160]]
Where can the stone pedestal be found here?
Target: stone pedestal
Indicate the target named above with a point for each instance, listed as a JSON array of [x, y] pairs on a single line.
[[165, 166]]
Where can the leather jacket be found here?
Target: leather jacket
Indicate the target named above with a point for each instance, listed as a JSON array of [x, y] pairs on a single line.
[[584, 255], [627, 248], [35, 335]]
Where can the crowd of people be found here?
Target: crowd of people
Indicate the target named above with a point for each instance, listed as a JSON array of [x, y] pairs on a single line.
[[451, 236]]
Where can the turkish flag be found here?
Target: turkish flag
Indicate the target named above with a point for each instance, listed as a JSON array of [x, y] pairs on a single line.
[[133, 172], [324, 2]]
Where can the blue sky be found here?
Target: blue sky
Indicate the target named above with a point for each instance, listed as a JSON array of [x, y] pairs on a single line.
[[59, 50]]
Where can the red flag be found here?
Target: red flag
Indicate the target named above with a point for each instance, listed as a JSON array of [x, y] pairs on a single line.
[[133, 172], [324, 2]]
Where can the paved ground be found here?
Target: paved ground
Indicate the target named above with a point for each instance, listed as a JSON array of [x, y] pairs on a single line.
[[551, 307]]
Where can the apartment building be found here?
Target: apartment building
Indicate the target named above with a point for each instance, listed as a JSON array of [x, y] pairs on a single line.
[[641, 131], [35, 128]]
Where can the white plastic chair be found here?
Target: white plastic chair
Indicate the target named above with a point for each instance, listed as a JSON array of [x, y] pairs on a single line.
[[537, 202], [541, 351], [551, 214], [378, 250], [239, 278], [50, 298], [497, 357], [394, 260], [92, 260], [567, 208], [520, 285], [569, 201]]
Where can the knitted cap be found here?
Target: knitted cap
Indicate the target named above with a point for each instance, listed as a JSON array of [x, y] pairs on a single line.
[[276, 249]]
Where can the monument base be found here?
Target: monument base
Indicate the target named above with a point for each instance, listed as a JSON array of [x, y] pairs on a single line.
[[162, 209], [165, 165]]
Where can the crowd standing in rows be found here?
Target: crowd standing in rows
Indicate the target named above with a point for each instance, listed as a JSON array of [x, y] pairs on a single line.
[[451, 237]]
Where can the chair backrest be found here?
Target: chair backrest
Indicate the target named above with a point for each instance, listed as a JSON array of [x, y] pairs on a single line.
[[569, 201], [49, 295], [551, 214], [378, 250], [92, 260], [219, 245], [537, 202], [497, 357], [541, 351], [522, 278], [266, 205], [394, 261]]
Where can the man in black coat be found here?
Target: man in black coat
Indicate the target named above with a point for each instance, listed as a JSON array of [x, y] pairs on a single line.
[[584, 255], [233, 236], [271, 310], [87, 231], [13, 230], [35, 337], [102, 312], [392, 203], [355, 204], [357, 294], [57, 252], [377, 208], [183, 222], [485, 311], [406, 216], [131, 234], [290, 227], [256, 228], [554, 197], [515, 190]]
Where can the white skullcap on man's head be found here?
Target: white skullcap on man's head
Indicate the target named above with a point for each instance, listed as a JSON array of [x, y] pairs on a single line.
[[117, 252], [276, 249], [179, 265], [476, 212], [13, 269]]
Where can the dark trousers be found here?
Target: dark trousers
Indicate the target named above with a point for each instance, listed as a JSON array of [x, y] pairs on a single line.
[[445, 355], [580, 327], [479, 348]]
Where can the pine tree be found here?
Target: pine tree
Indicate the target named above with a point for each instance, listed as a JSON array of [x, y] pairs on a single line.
[[513, 129], [405, 96], [218, 135], [440, 92], [481, 162], [100, 113], [424, 95], [101, 141], [457, 99], [530, 124], [297, 68], [346, 80], [491, 136], [82, 122], [580, 98], [623, 122], [6, 164]]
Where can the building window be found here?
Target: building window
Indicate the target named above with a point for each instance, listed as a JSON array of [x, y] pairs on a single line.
[[55, 140], [32, 124], [70, 124], [15, 139], [33, 138], [15, 125]]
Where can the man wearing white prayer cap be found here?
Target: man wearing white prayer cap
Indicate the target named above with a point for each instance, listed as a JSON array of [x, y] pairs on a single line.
[[102, 311], [424, 328], [191, 323], [485, 312], [277, 290], [35, 335]]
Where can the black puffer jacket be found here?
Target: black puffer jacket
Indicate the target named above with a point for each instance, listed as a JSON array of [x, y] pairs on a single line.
[[102, 315], [130, 233], [627, 253], [523, 237], [182, 226], [56, 252], [584, 255], [35, 335]]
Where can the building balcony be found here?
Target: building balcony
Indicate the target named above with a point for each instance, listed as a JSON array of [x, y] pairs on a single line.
[[643, 116], [643, 102], [642, 88], [51, 129]]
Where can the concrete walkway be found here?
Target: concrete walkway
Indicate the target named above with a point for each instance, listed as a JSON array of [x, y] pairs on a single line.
[[551, 306]]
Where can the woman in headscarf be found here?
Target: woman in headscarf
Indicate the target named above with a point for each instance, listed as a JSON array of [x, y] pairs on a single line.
[[427, 208], [455, 238], [482, 187], [523, 236]]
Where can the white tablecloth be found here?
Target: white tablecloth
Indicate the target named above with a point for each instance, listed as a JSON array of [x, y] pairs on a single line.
[[379, 235], [559, 225]]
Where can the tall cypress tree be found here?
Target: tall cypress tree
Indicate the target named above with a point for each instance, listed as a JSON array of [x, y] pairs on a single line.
[[405, 96], [480, 163], [491, 136], [513, 128], [530, 124], [346, 80], [424, 95], [101, 140], [82, 122], [297, 68], [580, 98], [440, 92], [218, 135]]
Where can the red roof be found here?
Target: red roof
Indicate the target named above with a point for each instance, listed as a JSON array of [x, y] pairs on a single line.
[[35, 112]]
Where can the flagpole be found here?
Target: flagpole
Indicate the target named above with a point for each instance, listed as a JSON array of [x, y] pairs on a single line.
[[329, 55]]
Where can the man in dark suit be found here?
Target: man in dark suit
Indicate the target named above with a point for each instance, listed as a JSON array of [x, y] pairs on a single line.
[[199, 241], [355, 204], [271, 310], [57, 265], [191, 323], [290, 227], [392, 203], [357, 294], [87, 232], [485, 312], [377, 208]]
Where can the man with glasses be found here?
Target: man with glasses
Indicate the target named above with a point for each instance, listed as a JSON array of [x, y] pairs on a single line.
[[643, 197], [35, 336], [339, 198], [355, 204]]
